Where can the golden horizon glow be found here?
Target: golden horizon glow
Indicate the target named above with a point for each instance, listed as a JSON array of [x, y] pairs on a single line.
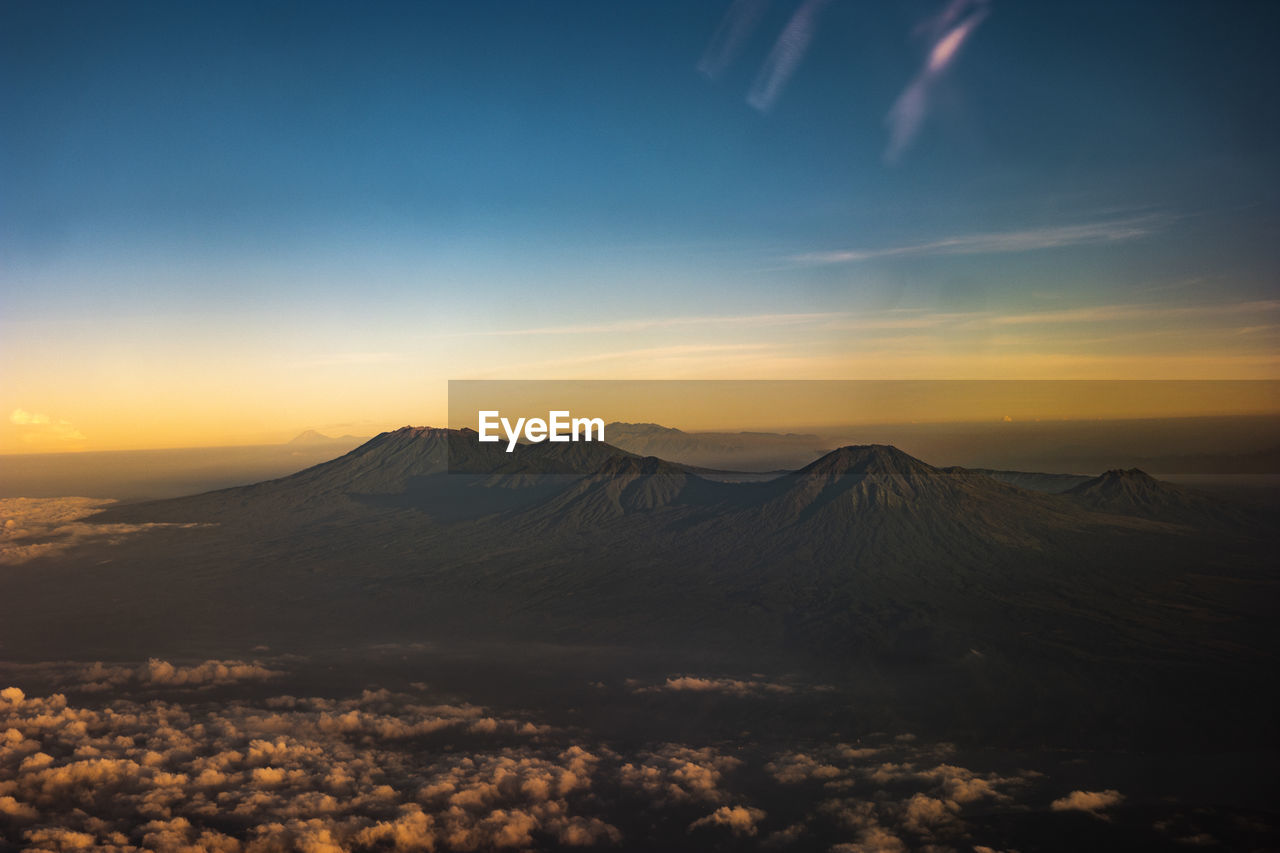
[[143, 389]]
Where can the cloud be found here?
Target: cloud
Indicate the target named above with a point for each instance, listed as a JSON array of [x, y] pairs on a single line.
[[45, 527], [784, 59], [143, 768], [1002, 242], [160, 673], [679, 774], [660, 323], [1090, 802], [947, 33], [36, 425], [727, 41], [731, 686], [1111, 313], [287, 773], [794, 768], [740, 820]]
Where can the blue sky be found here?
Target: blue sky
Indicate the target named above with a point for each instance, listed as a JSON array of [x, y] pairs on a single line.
[[313, 182]]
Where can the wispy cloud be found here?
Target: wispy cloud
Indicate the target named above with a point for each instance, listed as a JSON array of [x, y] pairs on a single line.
[[738, 24], [659, 323], [947, 32], [784, 59], [1112, 313], [656, 355], [1002, 242], [38, 425]]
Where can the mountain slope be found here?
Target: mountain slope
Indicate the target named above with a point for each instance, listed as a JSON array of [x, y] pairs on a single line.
[[392, 463], [878, 504], [867, 550], [1136, 493], [627, 486], [743, 451], [1052, 484]]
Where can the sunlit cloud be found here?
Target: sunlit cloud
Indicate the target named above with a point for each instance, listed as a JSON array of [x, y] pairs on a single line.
[[1107, 313], [657, 323], [948, 32], [786, 56], [31, 528], [729, 686], [654, 357], [1089, 802], [1002, 242], [43, 426]]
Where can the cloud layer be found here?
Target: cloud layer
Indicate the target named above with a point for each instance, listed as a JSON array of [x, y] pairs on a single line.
[[170, 770], [47, 527]]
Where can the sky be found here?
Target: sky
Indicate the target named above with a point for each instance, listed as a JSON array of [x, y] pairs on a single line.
[[225, 223]]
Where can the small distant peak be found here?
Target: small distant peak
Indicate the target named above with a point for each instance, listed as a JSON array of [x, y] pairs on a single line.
[[866, 459], [316, 438], [1127, 474], [625, 466], [419, 430], [310, 437]]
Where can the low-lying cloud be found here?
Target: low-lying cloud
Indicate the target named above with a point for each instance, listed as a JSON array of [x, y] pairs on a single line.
[[156, 764], [1091, 802], [99, 677], [731, 686], [46, 527]]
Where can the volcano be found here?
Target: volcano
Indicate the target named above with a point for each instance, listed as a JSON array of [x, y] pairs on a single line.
[[865, 550], [1134, 492]]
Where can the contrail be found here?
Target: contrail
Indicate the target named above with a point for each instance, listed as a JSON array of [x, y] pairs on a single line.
[[785, 56], [948, 31], [726, 42]]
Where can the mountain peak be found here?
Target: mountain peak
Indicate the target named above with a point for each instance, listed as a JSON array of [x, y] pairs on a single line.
[[1133, 491], [1127, 474], [1130, 481], [866, 459], [313, 437]]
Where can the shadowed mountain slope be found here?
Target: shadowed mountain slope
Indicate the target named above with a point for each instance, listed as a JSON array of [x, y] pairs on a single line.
[[1052, 484], [865, 551], [393, 463], [1133, 492]]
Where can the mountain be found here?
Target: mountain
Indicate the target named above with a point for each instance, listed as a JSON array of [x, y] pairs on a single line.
[[311, 438], [875, 504], [391, 464], [866, 551], [1134, 492], [626, 486], [1052, 484], [741, 451]]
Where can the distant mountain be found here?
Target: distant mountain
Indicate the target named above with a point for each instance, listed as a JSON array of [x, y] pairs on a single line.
[[875, 504], [311, 438], [1135, 492], [391, 464], [866, 550], [741, 451]]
